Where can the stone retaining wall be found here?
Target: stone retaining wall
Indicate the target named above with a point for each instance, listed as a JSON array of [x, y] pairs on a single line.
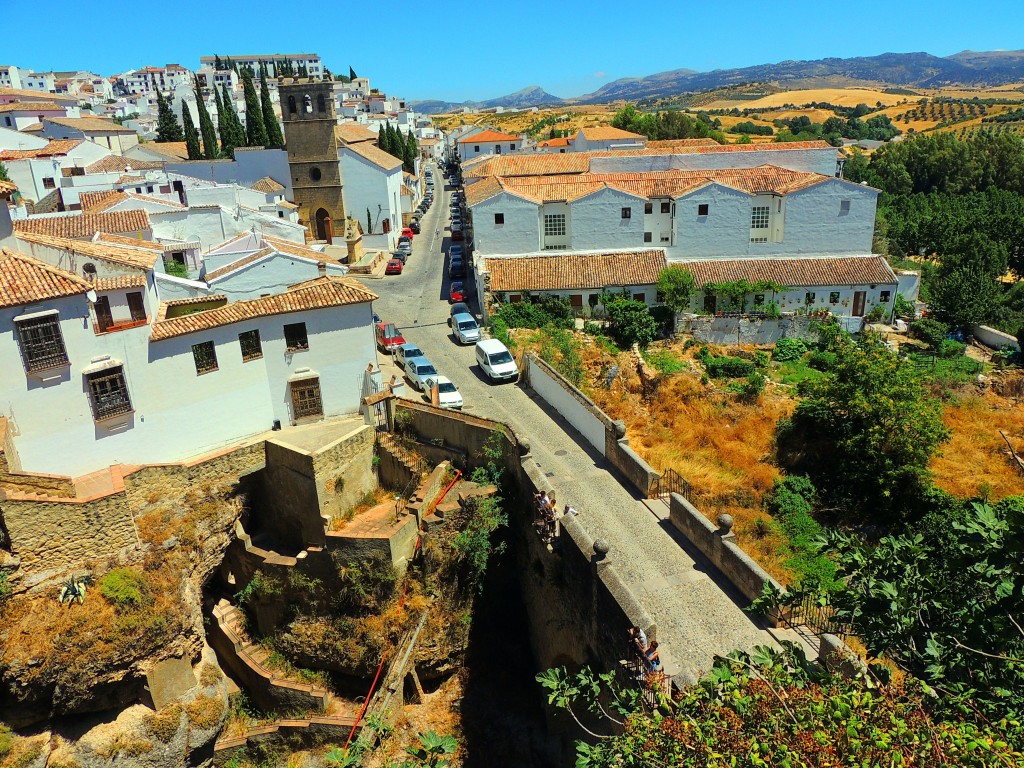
[[294, 734], [746, 330]]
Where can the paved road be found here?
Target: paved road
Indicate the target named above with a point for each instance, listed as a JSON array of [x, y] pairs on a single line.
[[696, 618]]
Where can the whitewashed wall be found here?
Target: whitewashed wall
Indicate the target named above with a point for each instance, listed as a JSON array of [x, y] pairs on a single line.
[[177, 412], [571, 409]]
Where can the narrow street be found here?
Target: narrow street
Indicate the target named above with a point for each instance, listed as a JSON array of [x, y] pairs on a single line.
[[696, 611]]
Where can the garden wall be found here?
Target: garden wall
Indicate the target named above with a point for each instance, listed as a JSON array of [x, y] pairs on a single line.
[[745, 330], [993, 338]]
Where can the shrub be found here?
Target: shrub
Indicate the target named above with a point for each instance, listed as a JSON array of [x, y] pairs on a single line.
[[6, 741], [822, 360], [791, 503], [787, 350], [665, 361], [930, 331], [876, 314], [728, 367], [631, 322], [951, 348], [537, 312], [125, 588], [499, 330], [753, 386], [761, 359], [5, 588]]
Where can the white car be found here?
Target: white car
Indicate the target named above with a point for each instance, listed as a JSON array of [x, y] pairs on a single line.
[[447, 394], [465, 329], [418, 370], [496, 361]]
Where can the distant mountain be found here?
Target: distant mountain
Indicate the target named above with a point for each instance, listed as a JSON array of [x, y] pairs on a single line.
[[531, 96], [915, 69], [923, 70]]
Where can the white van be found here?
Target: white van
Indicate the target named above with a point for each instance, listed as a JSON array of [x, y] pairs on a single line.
[[495, 360]]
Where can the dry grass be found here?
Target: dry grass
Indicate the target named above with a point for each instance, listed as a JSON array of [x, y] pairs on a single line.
[[976, 460], [165, 723], [845, 97], [205, 712]]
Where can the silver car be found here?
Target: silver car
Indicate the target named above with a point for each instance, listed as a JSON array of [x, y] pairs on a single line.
[[418, 370], [465, 329]]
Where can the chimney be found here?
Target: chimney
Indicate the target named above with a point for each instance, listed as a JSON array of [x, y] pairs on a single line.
[[321, 269]]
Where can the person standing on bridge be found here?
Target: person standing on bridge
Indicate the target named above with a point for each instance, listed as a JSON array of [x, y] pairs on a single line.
[[652, 657]]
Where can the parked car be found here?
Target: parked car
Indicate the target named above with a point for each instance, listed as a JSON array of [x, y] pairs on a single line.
[[455, 292], [407, 232], [388, 337], [405, 239], [458, 308], [465, 328], [400, 255], [394, 267], [418, 370], [495, 360], [454, 251], [443, 393], [407, 351], [456, 269], [414, 226], [405, 246], [457, 234]]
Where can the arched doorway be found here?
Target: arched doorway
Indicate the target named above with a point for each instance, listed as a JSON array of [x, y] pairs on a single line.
[[323, 225]]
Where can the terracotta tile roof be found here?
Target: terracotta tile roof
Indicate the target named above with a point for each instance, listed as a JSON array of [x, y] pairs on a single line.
[[56, 148], [607, 133], [267, 185], [488, 137], [88, 124], [286, 204], [375, 155], [95, 202], [133, 242], [127, 179], [114, 163], [119, 282], [579, 162], [24, 280], [227, 269], [32, 106], [575, 271], [140, 259], [34, 128], [7, 187], [27, 94], [319, 293], [85, 225], [798, 273], [173, 150], [353, 133], [672, 183], [561, 141]]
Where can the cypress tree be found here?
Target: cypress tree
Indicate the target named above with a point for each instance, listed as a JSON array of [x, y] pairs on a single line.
[[167, 128], [209, 133], [274, 136], [195, 152], [409, 158], [255, 130], [217, 63], [399, 145], [234, 124], [382, 139], [227, 145], [392, 137]]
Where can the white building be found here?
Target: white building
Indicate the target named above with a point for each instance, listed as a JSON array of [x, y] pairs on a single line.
[[40, 81], [372, 184], [164, 381], [39, 170], [11, 76], [152, 79], [19, 115], [488, 143], [106, 133], [311, 61], [763, 211]]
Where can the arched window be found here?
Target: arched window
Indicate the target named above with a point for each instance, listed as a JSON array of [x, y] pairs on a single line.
[[321, 105], [291, 105], [308, 103]]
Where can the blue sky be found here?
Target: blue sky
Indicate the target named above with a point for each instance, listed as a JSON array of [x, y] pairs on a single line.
[[477, 50]]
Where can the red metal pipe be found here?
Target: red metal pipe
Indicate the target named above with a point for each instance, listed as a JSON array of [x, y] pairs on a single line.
[[366, 703]]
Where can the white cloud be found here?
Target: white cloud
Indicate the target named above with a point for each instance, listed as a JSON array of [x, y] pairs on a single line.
[[600, 75]]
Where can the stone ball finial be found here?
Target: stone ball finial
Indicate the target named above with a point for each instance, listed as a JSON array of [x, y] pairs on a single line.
[[601, 548], [620, 428], [725, 522]]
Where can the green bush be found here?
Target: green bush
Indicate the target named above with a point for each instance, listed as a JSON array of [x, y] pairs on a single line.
[[791, 503], [499, 330], [125, 588], [822, 360], [6, 741], [950, 348], [630, 322], [665, 361], [753, 386], [787, 350], [930, 331], [728, 367], [537, 312]]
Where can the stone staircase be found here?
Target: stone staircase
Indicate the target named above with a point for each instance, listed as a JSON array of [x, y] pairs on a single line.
[[248, 662]]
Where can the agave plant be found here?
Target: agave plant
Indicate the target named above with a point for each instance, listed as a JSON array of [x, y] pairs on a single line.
[[73, 591]]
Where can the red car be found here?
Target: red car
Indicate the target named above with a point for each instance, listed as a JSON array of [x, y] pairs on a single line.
[[457, 234], [407, 232], [456, 293], [388, 337], [394, 267]]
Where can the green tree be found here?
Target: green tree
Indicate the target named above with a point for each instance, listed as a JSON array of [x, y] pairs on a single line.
[[3, 173], [630, 321], [195, 151], [865, 432], [209, 133], [167, 128], [255, 130], [676, 285], [966, 289], [226, 150], [382, 139], [233, 122], [274, 136]]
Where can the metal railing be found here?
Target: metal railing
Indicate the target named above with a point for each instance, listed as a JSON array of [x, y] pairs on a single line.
[[670, 482], [814, 614]]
